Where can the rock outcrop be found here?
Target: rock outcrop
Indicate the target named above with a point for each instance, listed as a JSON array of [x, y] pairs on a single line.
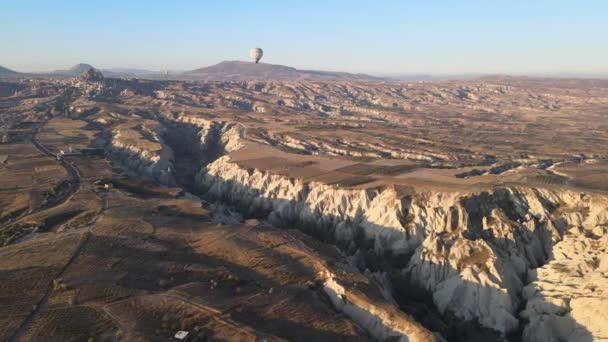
[[382, 320], [480, 255], [91, 75], [473, 252], [567, 299], [139, 148], [214, 138]]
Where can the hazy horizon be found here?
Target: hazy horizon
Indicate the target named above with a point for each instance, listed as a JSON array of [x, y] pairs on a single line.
[[470, 37], [436, 75]]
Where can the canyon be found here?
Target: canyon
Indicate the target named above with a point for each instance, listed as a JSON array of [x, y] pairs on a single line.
[[298, 210]]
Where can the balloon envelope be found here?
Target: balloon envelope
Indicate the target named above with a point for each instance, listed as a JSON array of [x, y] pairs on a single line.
[[256, 54]]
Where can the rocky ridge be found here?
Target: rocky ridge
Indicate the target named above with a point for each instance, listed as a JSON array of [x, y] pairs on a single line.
[[138, 146], [481, 256]]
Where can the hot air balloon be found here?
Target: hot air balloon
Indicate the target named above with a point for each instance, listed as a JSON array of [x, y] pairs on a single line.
[[256, 54]]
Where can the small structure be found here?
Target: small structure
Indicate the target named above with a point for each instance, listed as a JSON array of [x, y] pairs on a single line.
[[181, 335]]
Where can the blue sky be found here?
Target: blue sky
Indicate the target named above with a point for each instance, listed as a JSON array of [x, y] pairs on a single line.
[[426, 36]]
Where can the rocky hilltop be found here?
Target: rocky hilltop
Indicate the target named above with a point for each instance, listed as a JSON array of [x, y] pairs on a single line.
[[76, 70], [91, 75]]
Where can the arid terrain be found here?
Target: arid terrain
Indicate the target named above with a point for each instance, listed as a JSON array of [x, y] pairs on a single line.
[[302, 207]]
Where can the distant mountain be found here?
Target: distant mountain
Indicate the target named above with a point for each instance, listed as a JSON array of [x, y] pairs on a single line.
[[433, 77], [76, 70], [412, 77], [80, 68], [126, 72], [7, 72], [133, 71], [244, 71]]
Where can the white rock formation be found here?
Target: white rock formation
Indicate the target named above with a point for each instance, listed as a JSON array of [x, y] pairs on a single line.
[[568, 298], [221, 137], [472, 251], [140, 149], [381, 321]]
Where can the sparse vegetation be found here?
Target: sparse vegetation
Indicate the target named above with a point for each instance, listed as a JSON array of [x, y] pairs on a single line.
[[139, 187], [56, 191]]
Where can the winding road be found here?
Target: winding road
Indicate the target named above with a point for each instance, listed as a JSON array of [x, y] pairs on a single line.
[[72, 171], [75, 184]]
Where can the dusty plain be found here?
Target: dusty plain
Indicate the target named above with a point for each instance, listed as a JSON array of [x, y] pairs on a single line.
[[303, 211]]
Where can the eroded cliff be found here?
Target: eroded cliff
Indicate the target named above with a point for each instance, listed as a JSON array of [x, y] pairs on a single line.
[[491, 257]]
